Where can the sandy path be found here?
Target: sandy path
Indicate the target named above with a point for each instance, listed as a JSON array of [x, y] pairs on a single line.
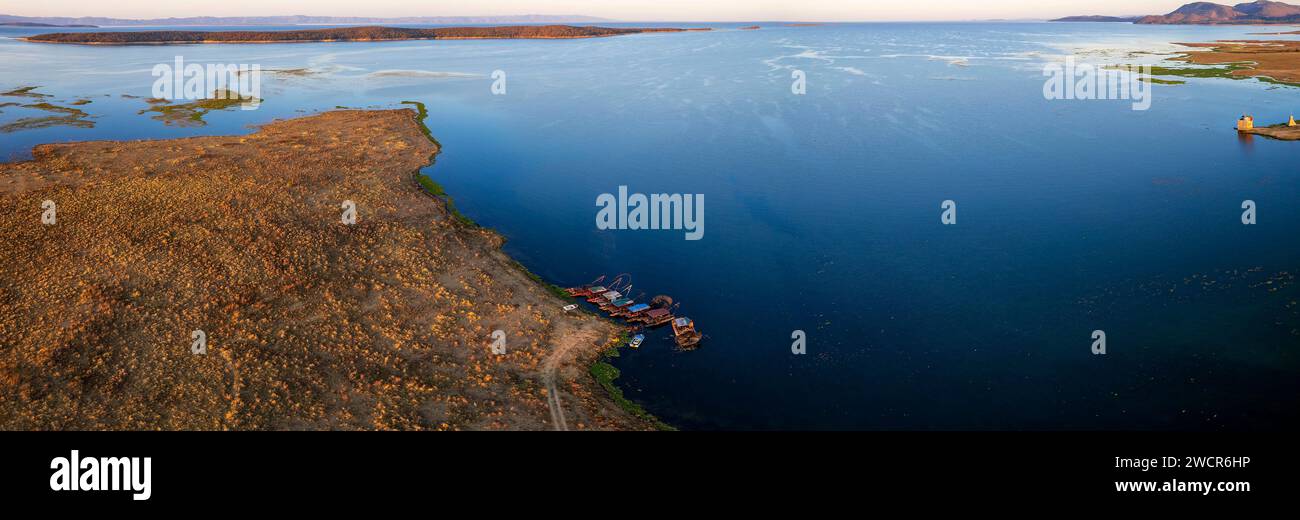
[[570, 342]]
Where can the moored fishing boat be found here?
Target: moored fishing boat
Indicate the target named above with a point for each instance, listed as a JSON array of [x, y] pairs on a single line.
[[635, 310], [618, 307], [578, 292], [614, 300], [636, 340], [586, 290], [685, 334], [606, 301], [605, 297], [655, 317]]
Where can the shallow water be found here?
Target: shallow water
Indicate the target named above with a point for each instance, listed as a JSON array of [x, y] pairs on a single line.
[[822, 210]]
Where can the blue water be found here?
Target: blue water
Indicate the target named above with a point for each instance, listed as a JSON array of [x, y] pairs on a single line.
[[822, 210]]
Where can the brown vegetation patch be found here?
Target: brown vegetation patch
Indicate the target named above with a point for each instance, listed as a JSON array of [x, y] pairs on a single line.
[[311, 323], [1278, 60]]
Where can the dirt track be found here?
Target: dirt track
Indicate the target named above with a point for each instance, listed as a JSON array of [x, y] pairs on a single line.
[[310, 323]]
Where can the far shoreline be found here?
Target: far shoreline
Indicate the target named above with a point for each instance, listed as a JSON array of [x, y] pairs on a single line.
[[245, 42], [346, 34]]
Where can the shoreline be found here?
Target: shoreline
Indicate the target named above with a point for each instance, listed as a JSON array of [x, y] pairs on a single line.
[[603, 372], [1279, 132], [1270, 61], [345, 34], [364, 40], [556, 362]]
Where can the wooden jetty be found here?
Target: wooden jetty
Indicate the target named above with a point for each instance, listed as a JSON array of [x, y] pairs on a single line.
[[613, 300]]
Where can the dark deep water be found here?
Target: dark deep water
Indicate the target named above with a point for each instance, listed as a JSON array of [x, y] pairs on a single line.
[[823, 211]]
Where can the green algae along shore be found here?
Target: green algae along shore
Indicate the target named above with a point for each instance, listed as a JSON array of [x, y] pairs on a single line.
[[310, 322]]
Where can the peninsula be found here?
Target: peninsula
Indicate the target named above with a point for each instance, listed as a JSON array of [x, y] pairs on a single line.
[[345, 34], [217, 283], [1272, 60], [1288, 131]]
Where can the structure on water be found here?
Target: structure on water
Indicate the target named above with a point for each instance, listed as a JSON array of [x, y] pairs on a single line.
[[613, 300], [1245, 123], [654, 317], [685, 334]]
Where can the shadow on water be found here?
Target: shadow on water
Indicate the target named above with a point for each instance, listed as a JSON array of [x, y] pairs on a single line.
[[1247, 142]]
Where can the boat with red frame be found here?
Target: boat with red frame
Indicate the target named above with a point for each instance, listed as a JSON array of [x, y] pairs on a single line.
[[631, 312], [599, 298], [654, 317], [613, 300], [606, 301], [618, 308], [684, 333], [586, 290]]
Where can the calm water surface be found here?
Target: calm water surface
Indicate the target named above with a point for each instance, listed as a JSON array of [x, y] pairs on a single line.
[[822, 210]]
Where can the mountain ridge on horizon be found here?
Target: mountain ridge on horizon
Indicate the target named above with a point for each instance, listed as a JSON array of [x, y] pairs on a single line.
[[1209, 13], [299, 20]]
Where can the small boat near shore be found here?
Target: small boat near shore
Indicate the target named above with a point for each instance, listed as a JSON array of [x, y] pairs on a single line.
[[636, 341]]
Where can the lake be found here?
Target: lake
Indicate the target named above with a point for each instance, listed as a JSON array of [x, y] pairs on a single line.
[[822, 209]]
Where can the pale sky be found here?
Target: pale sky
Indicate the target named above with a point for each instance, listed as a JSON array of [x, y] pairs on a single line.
[[630, 10]]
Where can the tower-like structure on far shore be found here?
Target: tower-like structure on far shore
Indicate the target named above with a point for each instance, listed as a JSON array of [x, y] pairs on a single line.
[[1245, 123]]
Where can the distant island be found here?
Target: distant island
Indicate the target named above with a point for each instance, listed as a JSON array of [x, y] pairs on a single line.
[[346, 34], [1096, 18], [34, 24], [65, 21], [1207, 13]]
